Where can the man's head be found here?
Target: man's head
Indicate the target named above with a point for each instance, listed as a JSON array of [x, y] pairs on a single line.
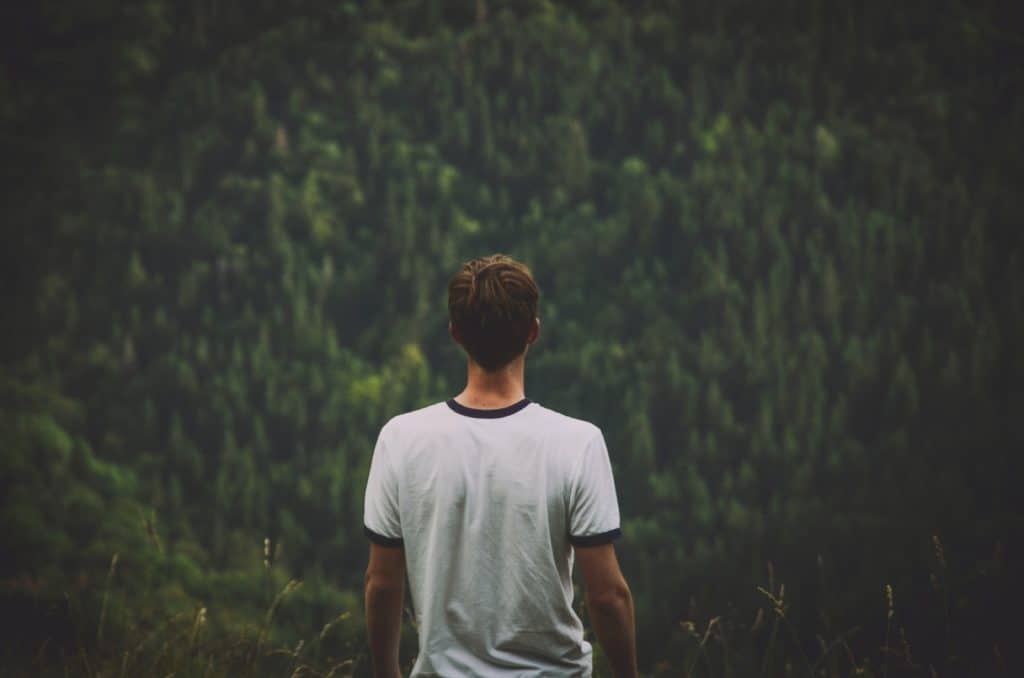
[[492, 306]]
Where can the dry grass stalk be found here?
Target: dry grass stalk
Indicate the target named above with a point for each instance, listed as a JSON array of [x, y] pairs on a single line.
[[106, 595]]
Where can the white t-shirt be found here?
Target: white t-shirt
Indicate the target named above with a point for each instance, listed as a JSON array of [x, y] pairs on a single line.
[[488, 504]]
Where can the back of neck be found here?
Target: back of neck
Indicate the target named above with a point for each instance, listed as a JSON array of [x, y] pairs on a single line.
[[488, 390]]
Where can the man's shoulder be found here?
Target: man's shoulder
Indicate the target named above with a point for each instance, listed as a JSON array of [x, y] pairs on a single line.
[[436, 417], [424, 417], [568, 425]]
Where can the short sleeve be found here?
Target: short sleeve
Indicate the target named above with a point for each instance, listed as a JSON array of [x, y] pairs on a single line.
[[381, 522], [593, 506]]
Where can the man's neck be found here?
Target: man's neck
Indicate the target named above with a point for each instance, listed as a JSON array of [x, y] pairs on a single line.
[[493, 390]]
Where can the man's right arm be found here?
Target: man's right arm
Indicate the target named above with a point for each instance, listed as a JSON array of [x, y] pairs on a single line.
[[610, 605]]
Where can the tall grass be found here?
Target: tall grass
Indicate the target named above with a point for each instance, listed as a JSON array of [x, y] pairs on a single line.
[[184, 643], [179, 646], [772, 645]]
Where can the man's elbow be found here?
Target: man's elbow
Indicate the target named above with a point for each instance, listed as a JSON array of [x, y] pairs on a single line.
[[378, 585], [612, 599]]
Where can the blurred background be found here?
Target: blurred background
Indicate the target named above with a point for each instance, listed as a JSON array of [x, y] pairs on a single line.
[[780, 253]]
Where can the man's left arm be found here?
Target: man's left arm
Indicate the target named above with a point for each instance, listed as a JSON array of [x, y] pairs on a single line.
[[385, 591]]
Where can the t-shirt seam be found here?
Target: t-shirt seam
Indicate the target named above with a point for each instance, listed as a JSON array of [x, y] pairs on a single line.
[[574, 474], [390, 473]]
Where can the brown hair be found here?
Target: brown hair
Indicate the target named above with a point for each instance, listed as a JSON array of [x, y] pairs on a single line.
[[492, 303]]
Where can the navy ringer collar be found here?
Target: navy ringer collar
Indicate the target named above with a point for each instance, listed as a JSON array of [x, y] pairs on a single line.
[[487, 414]]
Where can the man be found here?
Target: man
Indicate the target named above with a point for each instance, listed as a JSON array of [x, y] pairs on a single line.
[[485, 499]]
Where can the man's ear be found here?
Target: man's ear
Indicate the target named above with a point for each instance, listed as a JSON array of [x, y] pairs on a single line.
[[534, 332]]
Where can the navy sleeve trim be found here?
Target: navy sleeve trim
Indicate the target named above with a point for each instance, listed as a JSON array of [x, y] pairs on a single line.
[[596, 539], [381, 540]]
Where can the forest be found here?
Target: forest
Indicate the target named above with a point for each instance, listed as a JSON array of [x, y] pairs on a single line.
[[780, 254]]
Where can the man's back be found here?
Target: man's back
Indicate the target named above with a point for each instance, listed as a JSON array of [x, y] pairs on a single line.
[[487, 504]]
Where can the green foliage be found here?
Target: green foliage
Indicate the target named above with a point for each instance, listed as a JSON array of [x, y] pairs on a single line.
[[778, 249]]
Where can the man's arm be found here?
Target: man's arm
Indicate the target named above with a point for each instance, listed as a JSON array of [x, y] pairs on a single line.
[[385, 590], [610, 605]]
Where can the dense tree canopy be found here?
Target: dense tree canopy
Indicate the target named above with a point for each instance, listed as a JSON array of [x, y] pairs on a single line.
[[778, 246]]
